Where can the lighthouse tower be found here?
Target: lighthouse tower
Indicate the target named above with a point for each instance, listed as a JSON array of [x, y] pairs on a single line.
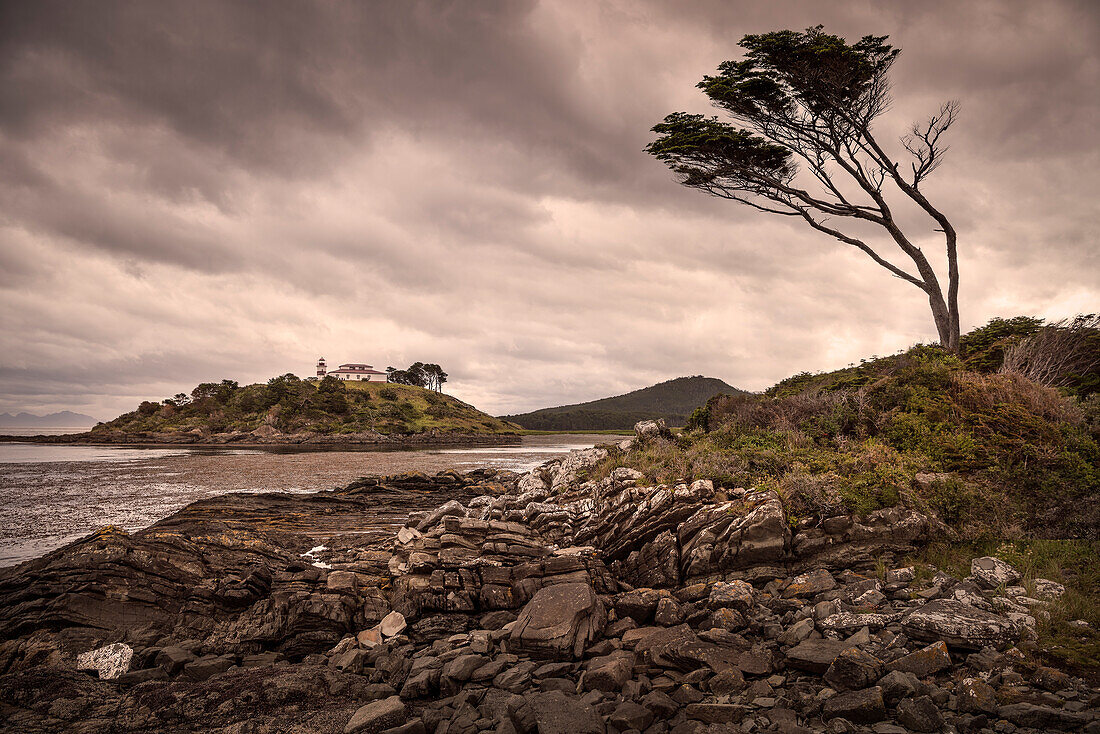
[[322, 369]]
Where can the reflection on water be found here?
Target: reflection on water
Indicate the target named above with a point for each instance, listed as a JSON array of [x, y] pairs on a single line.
[[55, 494]]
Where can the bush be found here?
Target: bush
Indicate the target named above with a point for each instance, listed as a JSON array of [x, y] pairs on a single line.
[[387, 393]]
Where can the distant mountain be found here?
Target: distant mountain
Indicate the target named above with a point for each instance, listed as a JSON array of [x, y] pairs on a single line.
[[64, 419], [673, 400]]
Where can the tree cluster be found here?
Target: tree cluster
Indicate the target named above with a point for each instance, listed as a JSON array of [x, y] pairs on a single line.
[[418, 374]]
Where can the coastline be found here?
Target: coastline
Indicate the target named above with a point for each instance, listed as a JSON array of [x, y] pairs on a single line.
[[273, 440]]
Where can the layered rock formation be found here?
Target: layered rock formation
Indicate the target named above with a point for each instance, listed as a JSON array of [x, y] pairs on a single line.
[[546, 602]]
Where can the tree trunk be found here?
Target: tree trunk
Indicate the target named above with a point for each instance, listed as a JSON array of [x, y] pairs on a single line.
[[947, 324]]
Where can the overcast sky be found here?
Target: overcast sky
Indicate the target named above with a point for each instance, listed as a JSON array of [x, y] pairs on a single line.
[[202, 190]]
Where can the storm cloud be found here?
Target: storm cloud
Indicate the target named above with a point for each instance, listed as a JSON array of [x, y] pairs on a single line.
[[203, 190]]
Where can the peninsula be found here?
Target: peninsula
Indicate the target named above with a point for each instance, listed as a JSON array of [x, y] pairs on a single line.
[[290, 410]]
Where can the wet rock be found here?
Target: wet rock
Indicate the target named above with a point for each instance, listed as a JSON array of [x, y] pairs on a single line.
[[560, 622], [924, 662], [919, 714], [377, 716], [992, 572], [108, 662], [862, 707], [959, 625]]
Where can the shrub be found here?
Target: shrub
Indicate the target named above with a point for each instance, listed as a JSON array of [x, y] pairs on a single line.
[[387, 393]]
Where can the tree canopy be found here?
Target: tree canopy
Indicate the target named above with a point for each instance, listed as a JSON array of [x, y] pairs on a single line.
[[803, 147]]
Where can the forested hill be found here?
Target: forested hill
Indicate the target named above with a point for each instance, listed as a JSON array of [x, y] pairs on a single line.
[[673, 400], [287, 405]]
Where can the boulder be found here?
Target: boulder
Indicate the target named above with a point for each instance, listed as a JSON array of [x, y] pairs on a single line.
[[924, 662], [610, 672], [392, 624], [960, 625], [645, 431], [975, 696], [815, 656], [853, 669], [919, 714], [810, 584], [556, 713], [1044, 718], [862, 707], [629, 715], [559, 622], [377, 716], [731, 594], [108, 662], [991, 572]]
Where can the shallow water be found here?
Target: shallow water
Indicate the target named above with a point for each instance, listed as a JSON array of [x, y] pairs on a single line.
[[53, 494]]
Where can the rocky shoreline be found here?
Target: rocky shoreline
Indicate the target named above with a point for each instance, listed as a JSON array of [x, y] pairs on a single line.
[[543, 602]]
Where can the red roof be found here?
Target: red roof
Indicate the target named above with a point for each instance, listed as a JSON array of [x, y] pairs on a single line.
[[355, 372]]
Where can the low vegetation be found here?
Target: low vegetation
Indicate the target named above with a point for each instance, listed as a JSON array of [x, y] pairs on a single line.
[[1074, 563], [990, 452], [292, 405]]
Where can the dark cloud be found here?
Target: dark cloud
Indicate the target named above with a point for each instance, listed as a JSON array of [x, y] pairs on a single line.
[[196, 190]]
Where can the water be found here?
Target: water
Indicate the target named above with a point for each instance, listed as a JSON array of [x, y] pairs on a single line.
[[51, 495]]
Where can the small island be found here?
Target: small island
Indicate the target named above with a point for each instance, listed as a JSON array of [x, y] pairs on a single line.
[[288, 410]]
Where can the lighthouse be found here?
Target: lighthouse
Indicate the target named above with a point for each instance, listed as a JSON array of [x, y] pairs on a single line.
[[322, 369]]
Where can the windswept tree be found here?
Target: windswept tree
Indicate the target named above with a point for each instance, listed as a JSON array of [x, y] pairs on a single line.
[[801, 145]]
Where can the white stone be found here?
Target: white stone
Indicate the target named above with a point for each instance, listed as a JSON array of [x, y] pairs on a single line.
[[392, 624], [991, 572], [109, 662], [407, 535], [1048, 590]]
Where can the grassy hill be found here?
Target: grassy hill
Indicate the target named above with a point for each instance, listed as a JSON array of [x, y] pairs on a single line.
[[290, 405], [989, 450], [673, 400]]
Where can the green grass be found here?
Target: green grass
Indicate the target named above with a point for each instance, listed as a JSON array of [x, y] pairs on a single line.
[[992, 455], [1073, 563]]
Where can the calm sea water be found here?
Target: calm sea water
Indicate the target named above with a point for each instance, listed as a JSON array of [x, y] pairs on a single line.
[[53, 494]]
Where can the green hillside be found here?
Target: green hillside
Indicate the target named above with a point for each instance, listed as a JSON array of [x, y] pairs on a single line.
[[290, 405], [673, 400]]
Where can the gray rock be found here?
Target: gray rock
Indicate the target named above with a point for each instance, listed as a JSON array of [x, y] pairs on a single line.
[[815, 656], [862, 707], [108, 662], [377, 716], [556, 713], [559, 622], [731, 594], [810, 584], [1041, 717], [630, 715], [897, 685], [959, 625], [975, 696], [853, 669], [919, 714], [992, 572], [924, 662]]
